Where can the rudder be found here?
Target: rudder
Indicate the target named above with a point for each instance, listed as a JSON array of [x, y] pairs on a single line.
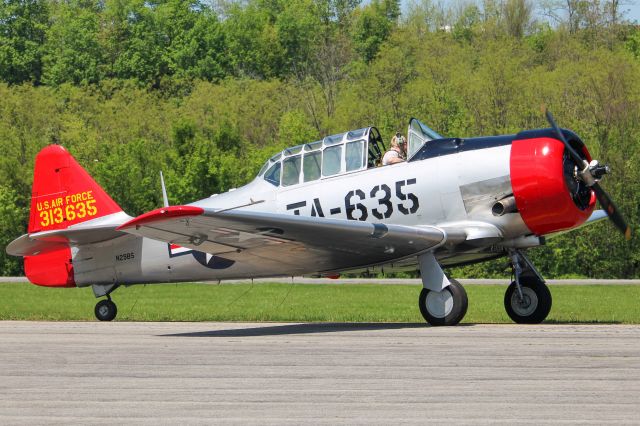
[[63, 193]]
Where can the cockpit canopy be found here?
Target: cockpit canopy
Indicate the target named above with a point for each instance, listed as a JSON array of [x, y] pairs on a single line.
[[334, 155], [337, 154]]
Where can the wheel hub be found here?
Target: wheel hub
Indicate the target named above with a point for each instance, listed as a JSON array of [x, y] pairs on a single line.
[[439, 303], [525, 302], [527, 305], [103, 310]]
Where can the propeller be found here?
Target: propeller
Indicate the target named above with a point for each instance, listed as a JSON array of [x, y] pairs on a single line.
[[591, 174]]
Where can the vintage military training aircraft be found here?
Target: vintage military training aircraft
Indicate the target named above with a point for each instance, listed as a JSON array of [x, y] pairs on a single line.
[[327, 207]]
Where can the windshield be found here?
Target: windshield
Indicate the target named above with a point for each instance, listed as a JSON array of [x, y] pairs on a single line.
[[426, 131], [419, 134]]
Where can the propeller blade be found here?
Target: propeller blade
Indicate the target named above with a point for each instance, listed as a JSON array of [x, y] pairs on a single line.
[[574, 155], [612, 211], [605, 201]]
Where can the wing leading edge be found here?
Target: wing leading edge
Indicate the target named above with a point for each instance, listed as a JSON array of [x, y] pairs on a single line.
[[311, 244]]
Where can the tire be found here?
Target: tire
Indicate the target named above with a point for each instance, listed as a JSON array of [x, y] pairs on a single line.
[[106, 310], [446, 307], [537, 302]]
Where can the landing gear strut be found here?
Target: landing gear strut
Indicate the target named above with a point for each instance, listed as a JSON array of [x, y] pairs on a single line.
[[442, 301], [527, 299], [105, 310]]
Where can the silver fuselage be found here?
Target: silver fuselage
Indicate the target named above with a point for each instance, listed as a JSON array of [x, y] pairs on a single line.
[[451, 191]]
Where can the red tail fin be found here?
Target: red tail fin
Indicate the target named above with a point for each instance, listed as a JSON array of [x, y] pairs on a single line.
[[63, 194]]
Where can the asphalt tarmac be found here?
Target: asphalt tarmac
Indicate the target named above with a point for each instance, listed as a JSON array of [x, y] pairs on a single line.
[[241, 373]]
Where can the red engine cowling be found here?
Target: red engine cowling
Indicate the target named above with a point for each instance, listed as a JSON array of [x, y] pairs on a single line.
[[548, 196]]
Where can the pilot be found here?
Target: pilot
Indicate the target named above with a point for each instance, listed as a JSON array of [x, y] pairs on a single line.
[[396, 152]]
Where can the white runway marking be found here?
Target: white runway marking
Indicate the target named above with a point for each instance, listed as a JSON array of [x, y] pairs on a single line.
[[159, 373]]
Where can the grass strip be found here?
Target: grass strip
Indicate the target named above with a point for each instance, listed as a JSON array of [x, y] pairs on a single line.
[[305, 303]]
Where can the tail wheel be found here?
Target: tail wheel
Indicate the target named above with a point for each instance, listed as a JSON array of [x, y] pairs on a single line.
[[534, 306], [446, 307], [106, 310]]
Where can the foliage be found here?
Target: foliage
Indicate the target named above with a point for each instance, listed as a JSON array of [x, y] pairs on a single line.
[[72, 50], [12, 220], [23, 24], [206, 92]]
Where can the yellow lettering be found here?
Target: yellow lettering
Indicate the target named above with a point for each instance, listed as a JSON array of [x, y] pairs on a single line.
[[91, 208], [82, 211], [58, 218], [70, 211], [45, 219], [89, 195]]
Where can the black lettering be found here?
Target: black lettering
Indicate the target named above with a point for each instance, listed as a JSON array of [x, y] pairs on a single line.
[[402, 196], [384, 201], [350, 208], [296, 207], [316, 208]]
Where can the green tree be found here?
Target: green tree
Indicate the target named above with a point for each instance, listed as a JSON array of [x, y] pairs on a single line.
[[467, 22], [194, 40], [135, 42], [72, 51], [254, 49], [372, 26], [12, 224], [517, 16], [23, 24], [299, 28]]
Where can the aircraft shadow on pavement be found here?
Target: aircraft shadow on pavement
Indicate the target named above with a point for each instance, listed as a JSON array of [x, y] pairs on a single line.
[[312, 328], [583, 322], [309, 328]]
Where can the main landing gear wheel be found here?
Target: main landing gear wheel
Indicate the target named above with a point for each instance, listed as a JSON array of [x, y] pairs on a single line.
[[446, 307], [106, 310], [535, 304]]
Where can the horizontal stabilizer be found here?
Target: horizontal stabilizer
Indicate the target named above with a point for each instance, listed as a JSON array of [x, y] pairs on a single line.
[[27, 246], [96, 231]]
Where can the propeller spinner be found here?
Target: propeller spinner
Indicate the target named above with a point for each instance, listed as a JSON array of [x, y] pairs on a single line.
[[590, 173]]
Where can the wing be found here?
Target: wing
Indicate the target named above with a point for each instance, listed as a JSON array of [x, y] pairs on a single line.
[[312, 244]]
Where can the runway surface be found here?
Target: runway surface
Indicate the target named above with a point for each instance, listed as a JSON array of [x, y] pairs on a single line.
[[230, 373]]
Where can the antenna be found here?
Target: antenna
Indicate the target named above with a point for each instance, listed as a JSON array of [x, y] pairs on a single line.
[[165, 199]]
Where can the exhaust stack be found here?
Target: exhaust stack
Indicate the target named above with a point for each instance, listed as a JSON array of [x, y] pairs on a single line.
[[504, 206]]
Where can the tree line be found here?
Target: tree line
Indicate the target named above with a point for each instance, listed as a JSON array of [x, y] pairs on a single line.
[[207, 92]]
